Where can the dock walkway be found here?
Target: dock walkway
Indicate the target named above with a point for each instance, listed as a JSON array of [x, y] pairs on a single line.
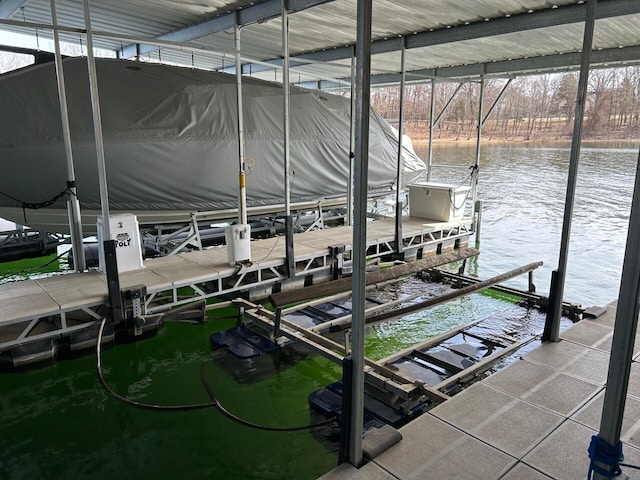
[[532, 420], [47, 309]]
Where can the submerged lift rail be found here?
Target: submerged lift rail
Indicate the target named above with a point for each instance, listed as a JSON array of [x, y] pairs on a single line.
[[429, 370]]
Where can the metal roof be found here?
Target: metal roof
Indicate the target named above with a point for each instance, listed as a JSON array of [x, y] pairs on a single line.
[[449, 39]]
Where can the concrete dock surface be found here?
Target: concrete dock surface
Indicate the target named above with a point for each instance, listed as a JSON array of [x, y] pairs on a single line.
[[532, 420]]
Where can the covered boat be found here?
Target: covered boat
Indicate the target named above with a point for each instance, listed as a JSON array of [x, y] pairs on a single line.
[[170, 143]]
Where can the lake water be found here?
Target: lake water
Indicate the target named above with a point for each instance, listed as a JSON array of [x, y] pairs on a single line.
[[57, 422], [524, 189]]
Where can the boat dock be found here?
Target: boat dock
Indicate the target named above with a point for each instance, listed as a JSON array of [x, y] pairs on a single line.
[[25, 243], [532, 420], [40, 317]]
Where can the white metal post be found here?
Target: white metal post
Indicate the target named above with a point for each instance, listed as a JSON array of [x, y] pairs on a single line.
[[476, 167], [242, 191], [97, 125], [431, 125], [400, 166], [73, 205]]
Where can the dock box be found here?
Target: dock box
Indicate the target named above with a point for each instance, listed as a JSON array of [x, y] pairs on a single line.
[[437, 201], [124, 230]]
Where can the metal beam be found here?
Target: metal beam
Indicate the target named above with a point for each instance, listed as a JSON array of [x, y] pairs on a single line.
[[256, 13], [9, 7], [551, 17], [526, 66]]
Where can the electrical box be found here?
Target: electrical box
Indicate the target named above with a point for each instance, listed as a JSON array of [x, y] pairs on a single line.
[[124, 230], [437, 201], [238, 238]]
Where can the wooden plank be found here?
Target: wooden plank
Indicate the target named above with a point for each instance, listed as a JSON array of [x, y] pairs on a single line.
[[288, 297]]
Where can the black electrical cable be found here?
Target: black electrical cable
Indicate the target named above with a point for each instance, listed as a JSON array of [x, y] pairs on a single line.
[[133, 403], [246, 423], [214, 401]]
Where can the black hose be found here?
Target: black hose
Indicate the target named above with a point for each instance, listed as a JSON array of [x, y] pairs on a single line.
[[214, 401], [133, 403]]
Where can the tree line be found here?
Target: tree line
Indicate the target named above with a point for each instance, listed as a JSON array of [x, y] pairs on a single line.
[[537, 107]]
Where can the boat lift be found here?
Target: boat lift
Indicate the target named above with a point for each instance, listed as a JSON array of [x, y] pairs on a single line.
[[408, 382]]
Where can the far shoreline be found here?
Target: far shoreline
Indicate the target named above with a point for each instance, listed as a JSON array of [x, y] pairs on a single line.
[[621, 142]]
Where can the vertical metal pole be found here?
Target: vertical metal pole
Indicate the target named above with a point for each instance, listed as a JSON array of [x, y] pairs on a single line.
[[242, 191], [286, 127], [73, 205], [431, 125], [398, 230], [624, 333], [476, 167], [479, 206], [352, 140], [363, 92], [97, 125], [556, 293]]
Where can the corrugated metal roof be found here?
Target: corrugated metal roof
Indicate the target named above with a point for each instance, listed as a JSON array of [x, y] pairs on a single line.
[[441, 35]]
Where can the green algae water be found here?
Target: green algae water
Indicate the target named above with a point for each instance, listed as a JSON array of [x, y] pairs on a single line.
[[57, 422]]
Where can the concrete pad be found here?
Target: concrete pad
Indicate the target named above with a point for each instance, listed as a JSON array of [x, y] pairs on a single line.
[[573, 359], [346, 471], [432, 449], [634, 380], [544, 387], [492, 416], [563, 455], [590, 333], [591, 414], [524, 472]]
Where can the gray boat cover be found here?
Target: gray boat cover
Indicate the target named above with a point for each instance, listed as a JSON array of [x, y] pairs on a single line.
[[170, 139]]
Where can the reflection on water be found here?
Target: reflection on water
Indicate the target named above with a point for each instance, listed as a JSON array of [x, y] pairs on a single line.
[[524, 188]]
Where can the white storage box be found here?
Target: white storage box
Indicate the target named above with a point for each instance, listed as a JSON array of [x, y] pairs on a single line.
[[238, 238], [124, 230], [437, 201]]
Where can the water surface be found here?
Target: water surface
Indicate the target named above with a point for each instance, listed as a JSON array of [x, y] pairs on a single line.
[[56, 422]]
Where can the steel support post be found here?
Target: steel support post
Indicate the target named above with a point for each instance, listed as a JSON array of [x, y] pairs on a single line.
[[432, 106], [624, 333], [398, 227], [289, 249], [363, 93], [352, 140], [556, 293], [476, 167], [97, 125], [73, 205]]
